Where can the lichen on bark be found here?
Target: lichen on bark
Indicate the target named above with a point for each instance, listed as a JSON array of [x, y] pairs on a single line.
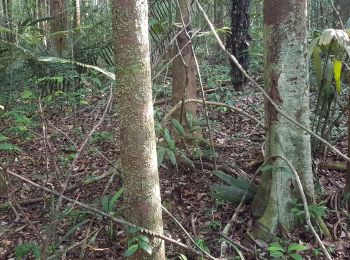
[[286, 81], [135, 118]]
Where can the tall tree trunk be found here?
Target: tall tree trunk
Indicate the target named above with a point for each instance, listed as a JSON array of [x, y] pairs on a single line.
[[76, 16], [135, 111], [238, 40], [286, 81], [58, 25], [184, 68]]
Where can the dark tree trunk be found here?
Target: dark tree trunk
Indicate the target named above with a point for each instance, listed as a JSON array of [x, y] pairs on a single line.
[[237, 42]]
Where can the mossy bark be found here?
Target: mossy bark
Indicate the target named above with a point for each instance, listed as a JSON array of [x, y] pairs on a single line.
[[286, 81], [135, 118]]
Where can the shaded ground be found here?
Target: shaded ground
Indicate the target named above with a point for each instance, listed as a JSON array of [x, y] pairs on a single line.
[[185, 192]]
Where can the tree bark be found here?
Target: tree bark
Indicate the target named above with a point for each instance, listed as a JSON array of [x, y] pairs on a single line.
[[135, 111], [286, 81], [184, 68], [238, 40], [76, 16], [58, 25]]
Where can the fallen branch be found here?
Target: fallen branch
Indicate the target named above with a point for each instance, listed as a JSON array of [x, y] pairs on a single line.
[[99, 212], [211, 103], [27, 202], [334, 166]]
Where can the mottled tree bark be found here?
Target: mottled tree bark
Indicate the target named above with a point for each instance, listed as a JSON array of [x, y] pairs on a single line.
[[184, 68], [135, 114], [286, 81], [58, 25], [238, 40]]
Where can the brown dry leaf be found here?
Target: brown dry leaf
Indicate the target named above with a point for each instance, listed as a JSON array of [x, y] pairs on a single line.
[[6, 242]]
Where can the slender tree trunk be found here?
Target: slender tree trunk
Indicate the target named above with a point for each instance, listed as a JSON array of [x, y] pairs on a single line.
[[184, 68], [76, 16], [135, 111], [58, 25], [286, 81], [238, 40]]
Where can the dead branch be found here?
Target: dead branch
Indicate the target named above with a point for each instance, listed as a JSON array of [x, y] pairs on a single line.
[[211, 103], [114, 219]]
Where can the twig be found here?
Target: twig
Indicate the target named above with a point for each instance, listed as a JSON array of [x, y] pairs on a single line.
[[114, 219], [237, 244], [235, 61], [187, 234], [234, 109], [205, 107]]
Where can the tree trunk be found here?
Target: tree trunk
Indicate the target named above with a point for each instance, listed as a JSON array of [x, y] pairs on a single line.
[[286, 81], [135, 111], [238, 40], [76, 16], [184, 68], [58, 25]]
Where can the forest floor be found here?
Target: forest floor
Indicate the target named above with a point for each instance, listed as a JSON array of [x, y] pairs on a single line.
[[185, 191]]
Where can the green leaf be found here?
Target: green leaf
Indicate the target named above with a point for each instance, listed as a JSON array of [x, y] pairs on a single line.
[[143, 238], [225, 177], [27, 94], [105, 204], [275, 247], [317, 64], [133, 230], [189, 118], [178, 127], [131, 250], [182, 257], [9, 147], [25, 249], [295, 256], [160, 155], [83, 102], [337, 66], [276, 254], [296, 247], [146, 247], [114, 199], [329, 79], [172, 157], [3, 138]]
